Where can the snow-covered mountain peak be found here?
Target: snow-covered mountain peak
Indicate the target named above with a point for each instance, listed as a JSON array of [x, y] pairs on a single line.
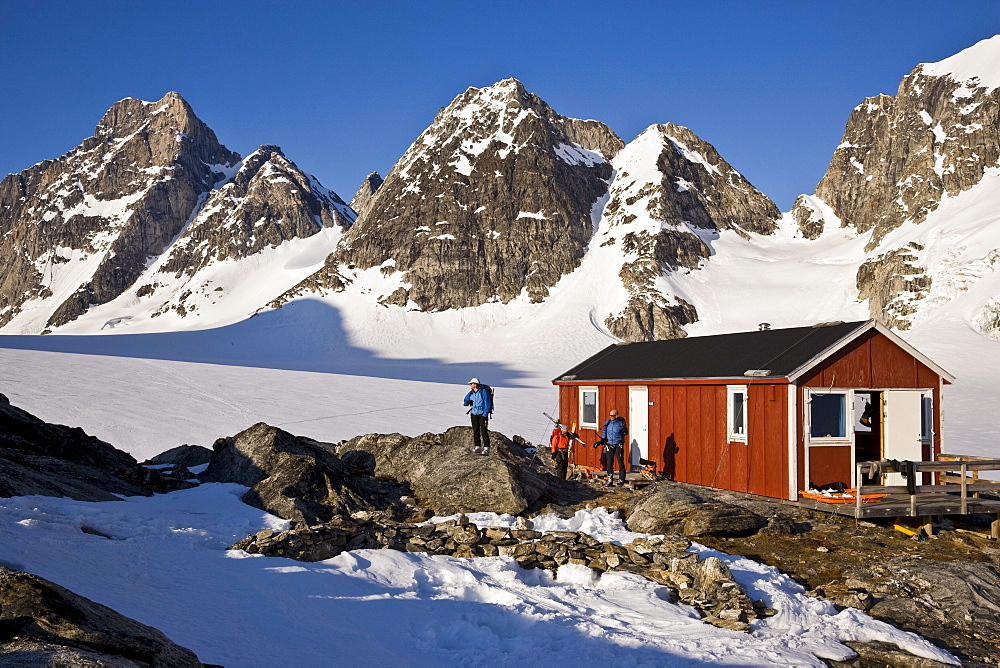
[[979, 65], [491, 203], [671, 196]]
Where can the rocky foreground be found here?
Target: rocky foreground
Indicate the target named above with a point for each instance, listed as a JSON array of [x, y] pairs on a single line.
[[376, 491]]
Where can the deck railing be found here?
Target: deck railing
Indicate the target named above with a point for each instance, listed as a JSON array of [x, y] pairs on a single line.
[[952, 473]]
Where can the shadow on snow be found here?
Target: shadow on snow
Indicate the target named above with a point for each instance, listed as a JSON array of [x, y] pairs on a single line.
[[307, 335]]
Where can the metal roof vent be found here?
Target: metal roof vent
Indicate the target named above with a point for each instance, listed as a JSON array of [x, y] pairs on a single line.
[[757, 372], [764, 326]]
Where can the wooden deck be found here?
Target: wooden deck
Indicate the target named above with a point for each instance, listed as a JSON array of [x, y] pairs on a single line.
[[958, 490]]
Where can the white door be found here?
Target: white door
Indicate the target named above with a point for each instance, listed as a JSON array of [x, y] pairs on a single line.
[[901, 425], [638, 425]]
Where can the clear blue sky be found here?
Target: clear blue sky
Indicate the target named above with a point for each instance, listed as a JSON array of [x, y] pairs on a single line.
[[345, 87]]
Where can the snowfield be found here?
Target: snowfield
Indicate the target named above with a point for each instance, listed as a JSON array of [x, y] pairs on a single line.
[[164, 562]]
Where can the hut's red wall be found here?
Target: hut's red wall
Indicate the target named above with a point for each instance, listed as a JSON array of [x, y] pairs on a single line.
[[688, 434], [827, 464], [688, 437], [875, 362]]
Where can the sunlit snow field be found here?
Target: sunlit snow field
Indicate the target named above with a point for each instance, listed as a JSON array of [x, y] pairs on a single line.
[[165, 564]]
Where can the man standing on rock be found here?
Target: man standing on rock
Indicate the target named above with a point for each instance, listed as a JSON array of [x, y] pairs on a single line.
[[482, 405], [613, 437], [559, 443]]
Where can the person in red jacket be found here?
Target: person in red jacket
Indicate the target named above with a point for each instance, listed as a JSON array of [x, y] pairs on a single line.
[[559, 443]]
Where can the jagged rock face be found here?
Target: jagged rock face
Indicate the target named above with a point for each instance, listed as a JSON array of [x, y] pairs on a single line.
[[493, 200], [900, 155], [363, 197], [44, 624], [892, 282], [671, 196], [267, 202], [104, 208]]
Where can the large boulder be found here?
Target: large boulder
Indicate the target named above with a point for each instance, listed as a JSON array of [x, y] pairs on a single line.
[[43, 624], [667, 507], [54, 460], [662, 508], [183, 455], [446, 474], [721, 519], [291, 477]]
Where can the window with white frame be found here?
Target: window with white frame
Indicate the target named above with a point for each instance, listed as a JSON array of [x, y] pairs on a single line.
[[736, 410], [588, 407], [828, 416]]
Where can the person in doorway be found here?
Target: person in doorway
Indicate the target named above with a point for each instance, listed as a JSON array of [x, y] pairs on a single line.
[[482, 405], [559, 443], [613, 435]]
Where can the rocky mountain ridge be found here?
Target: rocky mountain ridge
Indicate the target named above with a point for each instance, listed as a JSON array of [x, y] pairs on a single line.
[[152, 186], [493, 200], [79, 230], [901, 156], [500, 200]]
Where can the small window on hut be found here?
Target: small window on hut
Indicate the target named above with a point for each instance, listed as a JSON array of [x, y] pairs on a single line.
[[588, 407], [736, 402], [828, 416]]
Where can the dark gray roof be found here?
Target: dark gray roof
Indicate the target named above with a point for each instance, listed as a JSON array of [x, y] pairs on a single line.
[[779, 351]]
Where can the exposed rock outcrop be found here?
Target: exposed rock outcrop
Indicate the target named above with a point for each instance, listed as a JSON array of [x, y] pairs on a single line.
[[365, 192], [911, 593], [946, 589], [445, 473], [185, 455], [892, 282], [43, 624], [294, 478], [37, 457], [900, 157], [666, 507]]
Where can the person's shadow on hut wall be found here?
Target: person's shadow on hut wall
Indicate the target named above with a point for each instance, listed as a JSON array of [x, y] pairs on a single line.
[[669, 457]]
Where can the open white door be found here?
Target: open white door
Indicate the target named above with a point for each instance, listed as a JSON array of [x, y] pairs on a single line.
[[901, 429], [638, 425]]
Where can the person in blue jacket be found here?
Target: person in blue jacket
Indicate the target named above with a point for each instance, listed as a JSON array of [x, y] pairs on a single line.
[[482, 406], [613, 435]]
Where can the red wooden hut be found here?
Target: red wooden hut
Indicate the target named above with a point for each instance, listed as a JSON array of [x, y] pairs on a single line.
[[768, 412]]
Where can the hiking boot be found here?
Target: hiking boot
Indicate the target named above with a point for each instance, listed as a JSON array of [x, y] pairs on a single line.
[[486, 451], [609, 483], [620, 483]]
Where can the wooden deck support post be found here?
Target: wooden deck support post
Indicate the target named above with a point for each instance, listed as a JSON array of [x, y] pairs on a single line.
[[995, 529], [964, 481]]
